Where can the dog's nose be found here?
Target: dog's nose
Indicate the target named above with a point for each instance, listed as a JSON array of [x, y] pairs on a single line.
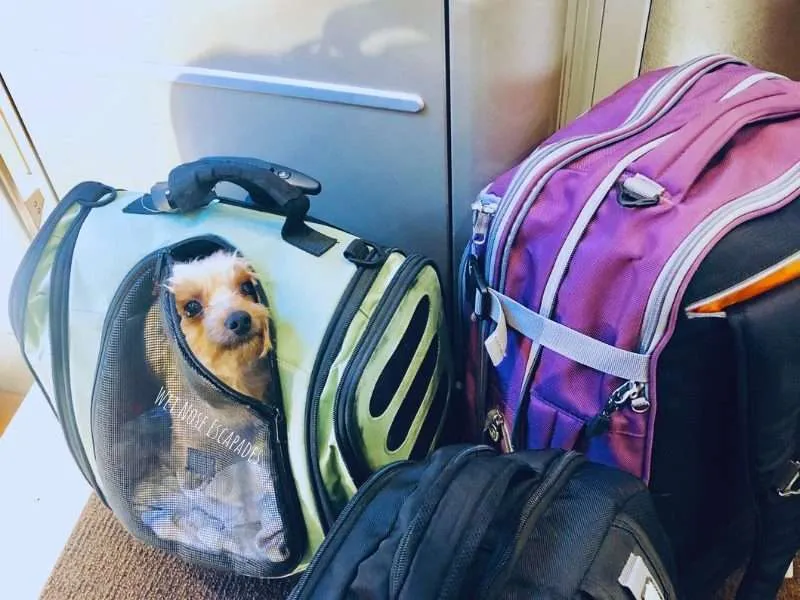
[[238, 322]]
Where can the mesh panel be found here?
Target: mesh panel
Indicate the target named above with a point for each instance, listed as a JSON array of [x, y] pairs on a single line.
[[398, 431], [186, 467], [401, 358]]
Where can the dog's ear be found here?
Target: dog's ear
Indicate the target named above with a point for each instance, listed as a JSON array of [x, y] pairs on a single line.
[[245, 266], [265, 335]]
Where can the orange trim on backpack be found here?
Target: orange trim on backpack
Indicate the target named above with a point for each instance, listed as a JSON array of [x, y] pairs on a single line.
[[761, 283]]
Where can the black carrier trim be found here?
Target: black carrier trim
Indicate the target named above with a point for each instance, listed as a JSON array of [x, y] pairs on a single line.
[[21, 283], [353, 296], [87, 197]]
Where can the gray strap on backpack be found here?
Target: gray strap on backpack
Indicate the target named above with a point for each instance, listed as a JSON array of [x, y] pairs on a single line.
[[554, 336]]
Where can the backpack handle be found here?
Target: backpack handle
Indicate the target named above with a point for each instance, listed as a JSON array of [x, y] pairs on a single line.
[[190, 187], [679, 162]]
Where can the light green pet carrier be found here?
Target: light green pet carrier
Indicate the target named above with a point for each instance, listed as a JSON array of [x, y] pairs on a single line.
[[361, 371]]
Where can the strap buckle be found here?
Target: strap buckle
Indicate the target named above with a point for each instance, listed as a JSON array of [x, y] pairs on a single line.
[[481, 309], [789, 480]]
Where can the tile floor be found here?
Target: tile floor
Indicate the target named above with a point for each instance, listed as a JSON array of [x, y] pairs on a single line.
[[41, 497]]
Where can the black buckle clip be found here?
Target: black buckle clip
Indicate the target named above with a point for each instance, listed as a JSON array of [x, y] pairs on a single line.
[[482, 300], [789, 480], [365, 254]]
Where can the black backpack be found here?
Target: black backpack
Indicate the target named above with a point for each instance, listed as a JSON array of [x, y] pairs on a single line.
[[469, 522], [725, 472]]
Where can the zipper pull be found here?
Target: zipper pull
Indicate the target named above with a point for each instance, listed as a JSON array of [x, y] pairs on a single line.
[[630, 393], [495, 428], [638, 191], [484, 209]]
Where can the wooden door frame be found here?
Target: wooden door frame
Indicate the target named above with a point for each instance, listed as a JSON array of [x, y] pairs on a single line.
[[603, 46], [31, 209]]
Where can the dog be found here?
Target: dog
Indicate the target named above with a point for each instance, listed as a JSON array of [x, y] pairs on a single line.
[[227, 329], [222, 320]]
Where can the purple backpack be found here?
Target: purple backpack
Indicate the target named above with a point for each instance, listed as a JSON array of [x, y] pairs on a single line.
[[586, 290]]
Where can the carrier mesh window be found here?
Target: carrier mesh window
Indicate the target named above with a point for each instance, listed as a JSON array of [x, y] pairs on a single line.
[[186, 465], [413, 399], [433, 420], [397, 365]]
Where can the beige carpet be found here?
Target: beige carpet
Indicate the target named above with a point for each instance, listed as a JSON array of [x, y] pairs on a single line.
[[101, 561]]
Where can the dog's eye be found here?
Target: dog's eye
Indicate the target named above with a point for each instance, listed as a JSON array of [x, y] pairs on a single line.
[[248, 289], [192, 308]]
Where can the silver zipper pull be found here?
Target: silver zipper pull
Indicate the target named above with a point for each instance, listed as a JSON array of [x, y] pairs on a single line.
[[495, 428], [484, 208], [630, 393]]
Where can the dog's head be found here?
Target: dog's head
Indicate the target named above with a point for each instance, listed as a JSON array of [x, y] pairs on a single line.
[[222, 319]]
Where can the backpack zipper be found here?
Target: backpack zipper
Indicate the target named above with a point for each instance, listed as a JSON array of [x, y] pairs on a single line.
[[510, 204], [351, 513], [417, 528], [554, 479], [630, 394], [496, 429], [681, 263]]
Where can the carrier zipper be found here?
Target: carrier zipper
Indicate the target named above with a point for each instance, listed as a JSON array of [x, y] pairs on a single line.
[[261, 408], [59, 334], [496, 429], [681, 263], [631, 527], [350, 515], [344, 314], [554, 480], [402, 556], [510, 204], [111, 313], [343, 417], [289, 510]]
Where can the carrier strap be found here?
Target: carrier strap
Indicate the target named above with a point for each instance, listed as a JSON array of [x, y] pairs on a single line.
[[554, 336], [767, 333]]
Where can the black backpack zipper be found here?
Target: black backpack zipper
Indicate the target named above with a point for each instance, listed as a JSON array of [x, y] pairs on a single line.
[[344, 524], [408, 543], [555, 478]]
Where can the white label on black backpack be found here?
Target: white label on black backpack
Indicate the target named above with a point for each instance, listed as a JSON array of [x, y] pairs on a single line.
[[637, 578]]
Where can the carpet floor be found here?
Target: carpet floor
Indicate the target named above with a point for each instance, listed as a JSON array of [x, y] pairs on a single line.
[[101, 561]]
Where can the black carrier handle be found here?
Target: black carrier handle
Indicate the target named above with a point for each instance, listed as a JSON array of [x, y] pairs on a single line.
[[271, 187]]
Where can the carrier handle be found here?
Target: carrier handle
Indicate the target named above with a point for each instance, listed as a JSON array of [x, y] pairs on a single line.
[[190, 187], [676, 164]]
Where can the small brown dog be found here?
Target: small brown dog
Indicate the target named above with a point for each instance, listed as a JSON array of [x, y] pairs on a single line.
[[227, 329], [224, 324]]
